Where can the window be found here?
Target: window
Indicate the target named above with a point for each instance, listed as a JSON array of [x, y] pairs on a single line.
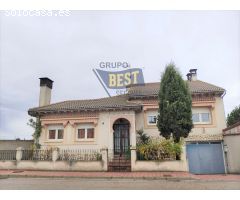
[[90, 133], [85, 132], [81, 133], [205, 117], [55, 133], [60, 134], [195, 117], [152, 119], [52, 134], [201, 118]]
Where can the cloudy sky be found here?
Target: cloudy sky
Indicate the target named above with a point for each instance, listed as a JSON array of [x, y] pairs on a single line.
[[66, 49]]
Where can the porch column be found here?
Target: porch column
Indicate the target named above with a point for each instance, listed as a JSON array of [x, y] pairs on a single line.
[[133, 132], [133, 158]]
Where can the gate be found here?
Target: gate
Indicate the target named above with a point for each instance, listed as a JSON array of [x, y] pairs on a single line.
[[205, 158]]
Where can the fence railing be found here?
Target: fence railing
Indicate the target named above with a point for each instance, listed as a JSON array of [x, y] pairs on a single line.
[[80, 154], [155, 156], [8, 154], [39, 154]]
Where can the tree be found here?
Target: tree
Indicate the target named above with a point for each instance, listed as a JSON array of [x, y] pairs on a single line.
[[233, 116], [36, 125], [175, 105]]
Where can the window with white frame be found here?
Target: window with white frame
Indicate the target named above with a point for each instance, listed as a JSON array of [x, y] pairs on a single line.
[[55, 132], [152, 117], [85, 132], [201, 115]]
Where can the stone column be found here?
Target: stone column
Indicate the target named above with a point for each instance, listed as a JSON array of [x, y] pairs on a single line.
[[55, 153], [133, 157], [104, 152], [19, 154]]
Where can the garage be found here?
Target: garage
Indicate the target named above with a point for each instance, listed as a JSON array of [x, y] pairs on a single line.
[[205, 158]]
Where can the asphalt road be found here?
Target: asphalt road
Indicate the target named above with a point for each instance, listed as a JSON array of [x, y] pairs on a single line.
[[132, 184]]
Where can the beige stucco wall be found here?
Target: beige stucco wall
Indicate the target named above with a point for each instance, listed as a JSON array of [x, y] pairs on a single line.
[[218, 120], [103, 125], [58, 165], [45, 96], [232, 142], [170, 166], [175, 165], [217, 116], [103, 129]]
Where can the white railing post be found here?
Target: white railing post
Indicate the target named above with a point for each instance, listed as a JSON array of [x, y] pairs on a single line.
[[55, 154], [133, 157], [104, 152], [19, 153]]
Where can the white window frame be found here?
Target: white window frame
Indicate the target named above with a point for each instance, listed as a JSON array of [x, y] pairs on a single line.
[[56, 128], [85, 126], [150, 115], [200, 118]]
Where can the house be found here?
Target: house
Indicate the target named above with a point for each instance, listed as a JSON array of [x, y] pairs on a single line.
[[112, 122], [231, 137]]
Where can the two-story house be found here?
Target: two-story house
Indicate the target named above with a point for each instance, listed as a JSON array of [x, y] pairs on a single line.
[[112, 122]]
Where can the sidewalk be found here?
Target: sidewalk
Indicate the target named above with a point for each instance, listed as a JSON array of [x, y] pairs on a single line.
[[132, 175]]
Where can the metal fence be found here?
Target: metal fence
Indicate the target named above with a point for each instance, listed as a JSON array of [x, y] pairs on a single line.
[[8, 154], [80, 154], [39, 154], [155, 155]]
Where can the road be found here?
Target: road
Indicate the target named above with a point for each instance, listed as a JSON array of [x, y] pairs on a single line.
[[104, 183]]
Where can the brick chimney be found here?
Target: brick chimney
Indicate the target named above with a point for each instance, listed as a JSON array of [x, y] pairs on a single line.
[[45, 91]]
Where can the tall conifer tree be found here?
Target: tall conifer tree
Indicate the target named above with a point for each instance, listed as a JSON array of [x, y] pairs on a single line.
[[175, 105]]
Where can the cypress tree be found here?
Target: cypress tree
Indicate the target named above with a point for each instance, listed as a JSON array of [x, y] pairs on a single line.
[[175, 105]]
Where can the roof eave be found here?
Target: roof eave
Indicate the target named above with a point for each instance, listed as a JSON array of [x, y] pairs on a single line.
[[36, 113]]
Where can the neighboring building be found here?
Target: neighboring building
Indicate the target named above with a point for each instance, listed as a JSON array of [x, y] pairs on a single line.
[[112, 122], [14, 144], [231, 137]]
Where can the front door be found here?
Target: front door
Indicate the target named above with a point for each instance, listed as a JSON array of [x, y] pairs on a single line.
[[121, 137]]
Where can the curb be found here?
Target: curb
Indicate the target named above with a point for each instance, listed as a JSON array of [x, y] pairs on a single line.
[[97, 177]]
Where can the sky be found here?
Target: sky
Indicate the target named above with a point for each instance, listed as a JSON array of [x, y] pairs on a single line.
[[67, 48]]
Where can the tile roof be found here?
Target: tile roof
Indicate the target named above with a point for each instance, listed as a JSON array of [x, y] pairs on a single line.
[[151, 89], [204, 137], [109, 103], [120, 102]]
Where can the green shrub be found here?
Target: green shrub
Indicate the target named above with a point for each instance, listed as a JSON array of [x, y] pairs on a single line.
[[159, 150]]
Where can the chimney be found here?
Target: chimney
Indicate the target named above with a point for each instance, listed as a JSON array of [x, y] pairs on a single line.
[[193, 73], [45, 91], [189, 76]]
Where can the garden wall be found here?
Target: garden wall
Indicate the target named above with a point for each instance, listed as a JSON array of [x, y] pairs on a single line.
[[70, 160], [175, 165], [150, 165], [57, 165]]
